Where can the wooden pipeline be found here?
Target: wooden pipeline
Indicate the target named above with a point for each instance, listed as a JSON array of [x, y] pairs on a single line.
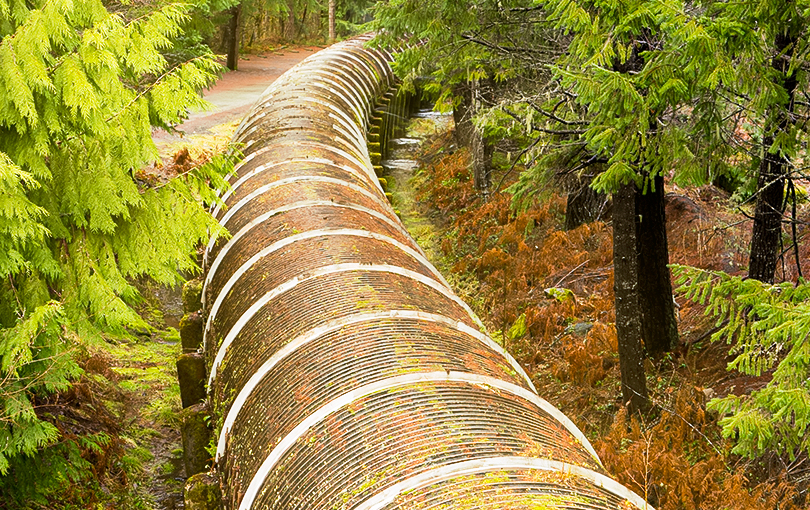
[[344, 372]]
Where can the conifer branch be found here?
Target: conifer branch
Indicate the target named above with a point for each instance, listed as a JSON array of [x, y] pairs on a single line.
[[562, 132], [551, 115], [154, 84], [517, 160], [497, 47]]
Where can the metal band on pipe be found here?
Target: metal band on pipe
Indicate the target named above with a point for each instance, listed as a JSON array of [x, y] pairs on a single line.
[[336, 268], [278, 245], [387, 384], [316, 333], [258, 220], [495, 464]]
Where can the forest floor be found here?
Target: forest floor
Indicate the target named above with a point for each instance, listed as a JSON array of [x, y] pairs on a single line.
[[547, 295]]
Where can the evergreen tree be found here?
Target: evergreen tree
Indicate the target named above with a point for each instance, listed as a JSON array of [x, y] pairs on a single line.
[[748, 73], [743, 65], [80, 89], [777, 39], [474, 56], [768, 328], [611, 69], [709, 71]]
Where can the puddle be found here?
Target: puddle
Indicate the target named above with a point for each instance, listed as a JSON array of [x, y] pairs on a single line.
[[398, 143], [401, 160], [402, 151]]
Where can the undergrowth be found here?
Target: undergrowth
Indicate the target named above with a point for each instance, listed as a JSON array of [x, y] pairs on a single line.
[[547, 295], [117, 443], [108, 422]]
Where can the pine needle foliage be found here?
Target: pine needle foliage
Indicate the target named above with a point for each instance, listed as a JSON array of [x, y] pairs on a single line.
[[696, 102], [80, 91], [613, 69], [768, 327], [444, 43]]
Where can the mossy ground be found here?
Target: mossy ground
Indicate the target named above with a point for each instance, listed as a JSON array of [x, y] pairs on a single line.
[[135, 379]]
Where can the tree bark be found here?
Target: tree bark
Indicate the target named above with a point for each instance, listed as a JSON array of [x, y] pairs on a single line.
[[289, 27], [233, 38], [625, 287], [659, 328], [773, 170], [468, 136], [481, 160], [332, 33], [462, 114], [479, 147]]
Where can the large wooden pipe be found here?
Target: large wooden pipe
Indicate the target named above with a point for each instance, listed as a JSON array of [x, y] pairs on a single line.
[[345, 374]]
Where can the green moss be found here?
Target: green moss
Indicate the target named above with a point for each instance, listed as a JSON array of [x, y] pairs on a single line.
[[192, 295], [202, 493]]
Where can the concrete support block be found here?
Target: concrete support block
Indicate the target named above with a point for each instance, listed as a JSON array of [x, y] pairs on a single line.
[[192, 295], [191, 331], [191, 375], [202, 492], [195, 435]]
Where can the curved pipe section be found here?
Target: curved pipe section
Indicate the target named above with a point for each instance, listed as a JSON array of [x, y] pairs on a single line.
[[344, 371]]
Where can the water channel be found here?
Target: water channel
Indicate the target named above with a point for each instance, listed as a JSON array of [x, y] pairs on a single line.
[[402, 159]]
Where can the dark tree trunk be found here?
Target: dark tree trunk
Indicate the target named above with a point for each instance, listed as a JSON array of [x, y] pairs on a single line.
[[773, 170], [625, 287], [767, 230], [234, 27], [584, 205], [659, 328], [289, 26]]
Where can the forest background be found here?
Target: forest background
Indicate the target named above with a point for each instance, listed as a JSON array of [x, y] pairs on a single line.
[[595, 142]]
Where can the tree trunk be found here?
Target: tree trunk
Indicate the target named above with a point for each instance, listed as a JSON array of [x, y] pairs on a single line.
[[462, 114], [773, 170], [584, 205], [625, 287], [481, 160], [289, 27], [479, 147], [469, 98], [659, 329], [233, 37], [332, 34], [767, 230]]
